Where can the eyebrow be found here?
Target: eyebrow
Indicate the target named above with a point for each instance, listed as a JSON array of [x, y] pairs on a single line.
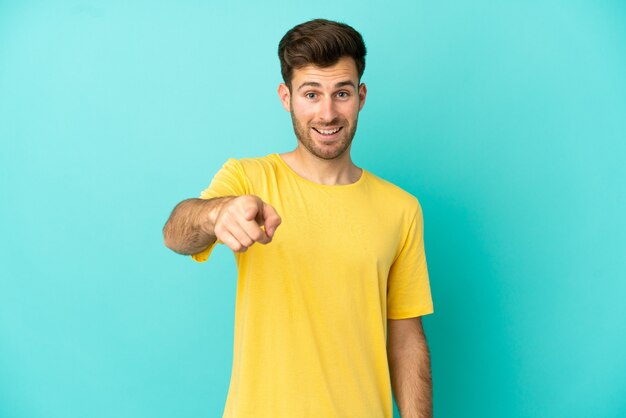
[[338, 85]]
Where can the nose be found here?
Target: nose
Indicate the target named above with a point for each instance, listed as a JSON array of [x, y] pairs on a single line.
[[327, 111]]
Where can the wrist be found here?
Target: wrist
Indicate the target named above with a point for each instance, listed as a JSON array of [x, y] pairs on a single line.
[[214, 207]]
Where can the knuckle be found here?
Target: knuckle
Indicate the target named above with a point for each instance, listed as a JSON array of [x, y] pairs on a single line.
[[225, 215], [246, 199], [219, 230]]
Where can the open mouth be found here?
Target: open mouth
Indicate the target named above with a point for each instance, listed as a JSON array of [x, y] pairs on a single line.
[[328, 132]]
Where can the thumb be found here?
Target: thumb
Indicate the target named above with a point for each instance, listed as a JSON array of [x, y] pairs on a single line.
[[252, 212]]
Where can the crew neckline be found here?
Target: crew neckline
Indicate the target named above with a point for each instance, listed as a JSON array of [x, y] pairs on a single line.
[[325, 186]]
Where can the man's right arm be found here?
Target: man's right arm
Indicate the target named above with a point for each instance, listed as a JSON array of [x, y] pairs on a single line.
[[191, 226], [236, 220]]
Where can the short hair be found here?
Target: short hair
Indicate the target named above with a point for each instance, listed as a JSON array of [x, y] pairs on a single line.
[[322, 43]]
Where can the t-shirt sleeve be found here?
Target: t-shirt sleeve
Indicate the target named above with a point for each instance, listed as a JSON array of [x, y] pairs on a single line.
[[408, 287], [230, 180]]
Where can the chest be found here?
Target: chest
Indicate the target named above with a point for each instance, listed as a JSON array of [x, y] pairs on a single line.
[[346, 232]]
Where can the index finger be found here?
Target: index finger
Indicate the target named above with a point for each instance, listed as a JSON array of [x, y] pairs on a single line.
[[271, 219]]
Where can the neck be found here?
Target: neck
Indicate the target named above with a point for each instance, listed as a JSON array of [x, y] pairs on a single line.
[[333, 172]]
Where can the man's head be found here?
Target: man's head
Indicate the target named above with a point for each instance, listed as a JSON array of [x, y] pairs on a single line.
[[321, 43], [322, 63]]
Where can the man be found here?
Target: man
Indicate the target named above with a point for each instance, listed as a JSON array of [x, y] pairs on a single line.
[[328, 306]]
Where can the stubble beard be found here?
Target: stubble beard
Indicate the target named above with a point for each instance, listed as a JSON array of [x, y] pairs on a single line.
[[304, 137]]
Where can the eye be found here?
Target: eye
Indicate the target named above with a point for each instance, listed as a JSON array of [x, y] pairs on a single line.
[[310, 95], [343, 94]]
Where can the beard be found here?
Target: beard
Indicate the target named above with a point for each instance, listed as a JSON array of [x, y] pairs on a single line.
[[303, 133]]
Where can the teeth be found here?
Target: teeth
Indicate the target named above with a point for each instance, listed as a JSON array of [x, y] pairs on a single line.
[[328, 132]]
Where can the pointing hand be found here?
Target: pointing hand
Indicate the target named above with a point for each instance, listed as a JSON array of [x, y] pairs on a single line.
[[244, 220]]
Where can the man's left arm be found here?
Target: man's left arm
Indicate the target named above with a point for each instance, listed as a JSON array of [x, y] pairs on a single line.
[[409, 366]]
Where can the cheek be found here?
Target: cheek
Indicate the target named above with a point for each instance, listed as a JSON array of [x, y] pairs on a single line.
[[350, 111], [303, 113]]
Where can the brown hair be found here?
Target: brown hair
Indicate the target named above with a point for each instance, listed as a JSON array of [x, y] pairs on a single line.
[[322, 43]]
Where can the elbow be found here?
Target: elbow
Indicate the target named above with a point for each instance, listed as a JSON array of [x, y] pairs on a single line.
[[176, 247], [169, 241]]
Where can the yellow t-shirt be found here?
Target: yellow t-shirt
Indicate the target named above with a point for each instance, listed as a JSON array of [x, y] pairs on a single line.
[[312, 306]]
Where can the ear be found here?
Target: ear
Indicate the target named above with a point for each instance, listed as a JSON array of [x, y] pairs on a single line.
[[285, 96], [362, 95]]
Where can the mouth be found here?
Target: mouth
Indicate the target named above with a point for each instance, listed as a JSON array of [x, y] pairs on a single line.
[[329, 133]]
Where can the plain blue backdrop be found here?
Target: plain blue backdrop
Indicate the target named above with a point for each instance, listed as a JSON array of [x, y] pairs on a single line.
[[506, 119]]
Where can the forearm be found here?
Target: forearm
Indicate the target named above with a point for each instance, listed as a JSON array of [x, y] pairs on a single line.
[[189, 229], [409, 365]]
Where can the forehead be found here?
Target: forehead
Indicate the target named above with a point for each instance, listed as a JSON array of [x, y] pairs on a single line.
[[344, 69]]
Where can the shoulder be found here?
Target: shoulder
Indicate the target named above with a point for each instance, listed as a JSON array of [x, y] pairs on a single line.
[[253, 166], [394, 195], [259, 163]]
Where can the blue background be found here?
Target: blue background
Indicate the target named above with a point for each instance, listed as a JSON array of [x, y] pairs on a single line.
[[506, 119]]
